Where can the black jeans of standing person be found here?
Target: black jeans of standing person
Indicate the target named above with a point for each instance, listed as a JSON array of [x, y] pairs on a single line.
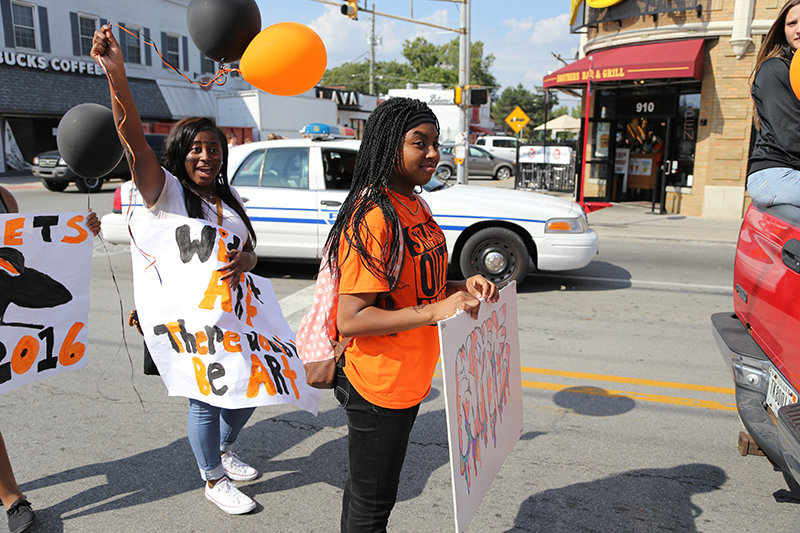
[[377, 440]]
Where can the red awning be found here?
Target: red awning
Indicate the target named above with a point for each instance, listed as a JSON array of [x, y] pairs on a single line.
[[671, 59], [480, 129]]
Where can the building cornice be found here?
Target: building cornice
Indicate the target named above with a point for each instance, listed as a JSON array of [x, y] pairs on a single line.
[[698, 30]]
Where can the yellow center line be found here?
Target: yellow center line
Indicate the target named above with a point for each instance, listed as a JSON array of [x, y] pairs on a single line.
[[630, 381], [658, 398], [641, 396]]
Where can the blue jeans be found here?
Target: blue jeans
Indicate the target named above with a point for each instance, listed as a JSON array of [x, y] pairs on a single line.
[[213, 430], [773, 186], [377, 440]]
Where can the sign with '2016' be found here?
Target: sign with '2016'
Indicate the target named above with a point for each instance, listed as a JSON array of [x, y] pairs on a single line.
[[45, 267]]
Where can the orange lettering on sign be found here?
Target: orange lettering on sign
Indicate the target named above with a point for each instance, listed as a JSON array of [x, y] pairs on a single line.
[[230, 340], [222, 252], [217, 289], [201, 337], [252, 310], [291, 375], [71, 352], [13, 232], [200, 375], [74, 223], [24, 354], [259, 375], [174, 330]]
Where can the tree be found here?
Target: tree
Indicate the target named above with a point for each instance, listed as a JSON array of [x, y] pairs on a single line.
[[355, 76], [426, 63], [532, 103]]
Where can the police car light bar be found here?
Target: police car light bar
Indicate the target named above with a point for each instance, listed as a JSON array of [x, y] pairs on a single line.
[[319, 131]]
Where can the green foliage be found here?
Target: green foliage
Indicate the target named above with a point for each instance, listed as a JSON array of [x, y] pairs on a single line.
[[531, 102], [355, 76], [426, 63]]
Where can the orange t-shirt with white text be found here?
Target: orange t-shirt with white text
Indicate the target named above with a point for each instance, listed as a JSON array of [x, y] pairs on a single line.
[[395, 371]]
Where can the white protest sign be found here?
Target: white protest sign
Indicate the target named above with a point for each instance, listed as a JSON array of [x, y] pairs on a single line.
[[45, 267], [228, 348], [483, 397], [553, 155]]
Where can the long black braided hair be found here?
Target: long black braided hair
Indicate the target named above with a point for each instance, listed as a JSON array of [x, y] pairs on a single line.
[[177, 144], [377, 160]]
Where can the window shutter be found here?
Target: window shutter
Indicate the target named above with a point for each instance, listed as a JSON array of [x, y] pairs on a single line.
[[123, 42], [44, 30], [8, 24], [163, 47], [185, 54], [147, 58], [76, 35]]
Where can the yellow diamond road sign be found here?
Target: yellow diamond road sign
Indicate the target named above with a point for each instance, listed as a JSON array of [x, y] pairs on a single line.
[[517, 119]]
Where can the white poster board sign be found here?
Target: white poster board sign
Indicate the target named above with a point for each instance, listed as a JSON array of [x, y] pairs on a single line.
[[553, 155], [45, 267], [483, 397], [228, 348], [621, 163]]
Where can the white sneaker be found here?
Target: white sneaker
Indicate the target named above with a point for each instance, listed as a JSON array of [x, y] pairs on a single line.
[[229, 498], [236, 469]]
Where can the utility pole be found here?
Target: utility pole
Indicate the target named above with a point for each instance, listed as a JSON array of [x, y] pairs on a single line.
[[463, 67], [462, 171], [372, 54]]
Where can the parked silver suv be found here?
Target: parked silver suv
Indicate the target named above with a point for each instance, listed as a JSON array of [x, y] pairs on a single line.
[[481, 163], [51, 168]]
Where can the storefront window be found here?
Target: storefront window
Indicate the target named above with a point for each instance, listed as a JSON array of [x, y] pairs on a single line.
[[685, 138], [133, 46], [87, 27], [24, 34], [171, 52]]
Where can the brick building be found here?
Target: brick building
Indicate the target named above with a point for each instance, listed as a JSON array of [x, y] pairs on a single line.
[[670, 114]]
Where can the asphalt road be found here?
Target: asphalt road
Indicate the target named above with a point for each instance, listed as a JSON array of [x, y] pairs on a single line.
[[629, 418]]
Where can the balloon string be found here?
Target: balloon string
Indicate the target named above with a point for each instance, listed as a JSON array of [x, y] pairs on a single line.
[[122, 321], [219, 79], [129, 211]]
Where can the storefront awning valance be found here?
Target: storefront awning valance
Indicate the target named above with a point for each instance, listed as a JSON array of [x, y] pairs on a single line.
[[671, 59], [474, 128]]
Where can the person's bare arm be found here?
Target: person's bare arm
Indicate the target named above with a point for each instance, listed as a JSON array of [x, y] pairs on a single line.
[[358, 316], [147, 172]]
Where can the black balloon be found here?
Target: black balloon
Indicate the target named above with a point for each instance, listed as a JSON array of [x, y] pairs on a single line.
[[222, 29], [88, 142]]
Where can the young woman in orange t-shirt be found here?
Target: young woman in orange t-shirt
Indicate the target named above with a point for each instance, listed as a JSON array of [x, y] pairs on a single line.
[[390, 312]]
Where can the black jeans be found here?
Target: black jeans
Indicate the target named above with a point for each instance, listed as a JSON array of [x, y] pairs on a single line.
[[377, 439]]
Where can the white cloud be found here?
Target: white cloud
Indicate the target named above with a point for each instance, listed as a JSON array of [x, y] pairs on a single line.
[[551, 31]]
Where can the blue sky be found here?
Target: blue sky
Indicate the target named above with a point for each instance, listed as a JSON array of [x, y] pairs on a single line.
[[520, 33]]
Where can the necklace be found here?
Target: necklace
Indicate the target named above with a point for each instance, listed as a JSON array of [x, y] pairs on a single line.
[[403, 203]]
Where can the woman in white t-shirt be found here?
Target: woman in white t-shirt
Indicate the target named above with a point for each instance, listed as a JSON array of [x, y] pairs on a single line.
[[193, 183]]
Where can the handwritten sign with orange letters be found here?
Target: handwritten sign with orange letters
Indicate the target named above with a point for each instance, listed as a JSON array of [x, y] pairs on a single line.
[[229, 348], [45, 267]]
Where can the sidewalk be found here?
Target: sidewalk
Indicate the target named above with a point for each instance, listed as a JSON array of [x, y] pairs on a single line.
[[633, 220]]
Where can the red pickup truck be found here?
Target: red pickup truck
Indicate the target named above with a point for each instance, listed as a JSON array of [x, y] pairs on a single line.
[[761, 338]]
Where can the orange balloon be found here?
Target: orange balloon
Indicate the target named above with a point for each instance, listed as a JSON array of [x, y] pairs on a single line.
[[794, 75], [285, 59]]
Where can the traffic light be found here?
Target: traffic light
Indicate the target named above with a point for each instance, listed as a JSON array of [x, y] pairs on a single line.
[[350, 9], [458, 95], [478, 97]]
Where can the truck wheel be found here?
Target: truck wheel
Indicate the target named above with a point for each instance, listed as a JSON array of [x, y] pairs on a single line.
[[89, 184], [444, 173], [503, 173], [56, 186], [498, 254]]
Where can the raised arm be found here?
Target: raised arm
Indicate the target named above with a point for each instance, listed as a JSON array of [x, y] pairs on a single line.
[[147, 172]]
